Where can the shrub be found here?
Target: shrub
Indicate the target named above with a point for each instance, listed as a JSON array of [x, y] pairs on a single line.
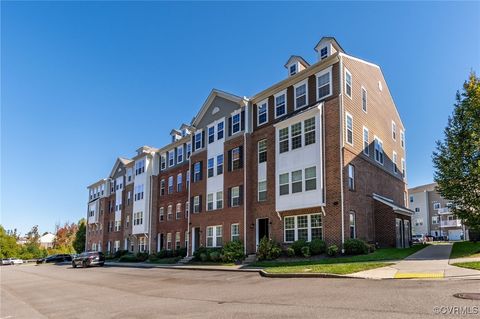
[[233, 251], [182, 252], [306, 251], [214, 256], [332, 250], [268, 249], [203, 257], [142, 256], [290, 252], [355, 247], [371, 248], [317, 247], [120, 253], [128, 258], [164, 254], [201, 250], [298, 245]]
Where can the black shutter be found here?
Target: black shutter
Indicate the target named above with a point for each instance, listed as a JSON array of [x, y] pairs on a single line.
[[192, 173], [229, 193], [191, 205], [229, 126], [174, 156], [240, 193], [229, 159], [200, 203], [203, 139], [241, 156], [243, 120]]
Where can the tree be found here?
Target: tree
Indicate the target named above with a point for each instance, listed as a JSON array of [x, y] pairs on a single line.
[[32, 248], [8, 244], [64, 238], [80, 236], [457, 157]]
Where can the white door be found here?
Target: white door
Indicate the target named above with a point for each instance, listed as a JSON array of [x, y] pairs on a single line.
[[455, 234]]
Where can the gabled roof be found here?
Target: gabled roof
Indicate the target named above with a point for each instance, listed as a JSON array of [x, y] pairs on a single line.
[[214, 93], [297, 58], [336, 45], [120, 161], [396, 208], [103, 180]]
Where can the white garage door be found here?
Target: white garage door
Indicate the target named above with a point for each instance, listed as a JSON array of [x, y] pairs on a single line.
[[455, 234]]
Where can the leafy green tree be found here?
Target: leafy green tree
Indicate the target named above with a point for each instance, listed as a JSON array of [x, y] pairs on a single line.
[[32, 248], [80, 236], [457, 157], [8, 244]]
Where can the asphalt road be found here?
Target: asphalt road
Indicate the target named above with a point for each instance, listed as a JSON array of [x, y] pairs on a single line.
[[49, 291]]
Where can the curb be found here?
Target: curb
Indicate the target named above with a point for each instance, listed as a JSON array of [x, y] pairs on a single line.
[[263, 273], [146, 266]]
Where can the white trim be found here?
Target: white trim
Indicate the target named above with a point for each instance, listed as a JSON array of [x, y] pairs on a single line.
[[309, 226], [258, 112], [330, 84], [283, 92], [357, 59], [304, 82], [346, 128], [376, 140], [402, 139], [389, 202], [394, 125], [366, 98], [368, 141], [351, 84]]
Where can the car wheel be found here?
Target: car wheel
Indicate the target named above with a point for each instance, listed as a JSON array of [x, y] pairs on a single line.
[[74, 265], [101, 265], [84, 264]]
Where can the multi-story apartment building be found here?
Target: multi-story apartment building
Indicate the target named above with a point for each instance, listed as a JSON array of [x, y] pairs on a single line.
[[433, 215], [320, 154]]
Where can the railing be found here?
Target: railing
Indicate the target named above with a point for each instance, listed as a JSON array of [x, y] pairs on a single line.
[[451, 223], [444, 210]]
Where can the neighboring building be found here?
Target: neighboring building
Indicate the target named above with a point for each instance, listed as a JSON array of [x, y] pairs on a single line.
[[47, 240], [432, 214], [320, 154]]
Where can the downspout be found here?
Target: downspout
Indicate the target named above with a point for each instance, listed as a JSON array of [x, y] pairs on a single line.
[[245, 157], [150, 209], [341, 154], [188, 199]]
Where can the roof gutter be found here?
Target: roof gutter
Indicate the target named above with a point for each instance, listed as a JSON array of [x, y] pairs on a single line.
[[341, 148]]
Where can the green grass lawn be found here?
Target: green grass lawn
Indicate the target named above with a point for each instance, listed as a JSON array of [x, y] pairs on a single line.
[[472, 265], [465, 249], [339, 269], [383, 254], [210, 263], [169, 260]]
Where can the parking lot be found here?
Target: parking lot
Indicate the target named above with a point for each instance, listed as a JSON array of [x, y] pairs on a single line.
[[49, 291]]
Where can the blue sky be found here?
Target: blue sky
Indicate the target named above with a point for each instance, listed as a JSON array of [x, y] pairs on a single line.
[[83, 83]]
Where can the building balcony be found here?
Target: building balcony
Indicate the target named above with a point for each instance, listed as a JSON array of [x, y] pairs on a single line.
[[451, 223], [444, 211]]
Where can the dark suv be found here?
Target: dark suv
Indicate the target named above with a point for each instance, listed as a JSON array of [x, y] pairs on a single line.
[[89, 258], [58, 258]]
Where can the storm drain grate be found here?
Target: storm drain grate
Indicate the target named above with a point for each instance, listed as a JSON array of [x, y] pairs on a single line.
[[468, 295]]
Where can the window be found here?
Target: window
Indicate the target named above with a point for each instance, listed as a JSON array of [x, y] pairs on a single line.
[[179, 154], [348, 83], [262, 151], [214, 236], [394, 162], [138, 218], [198, 140], [280, 108], [296, 135], [162, 187], [323, 53], [435, 220], [306, 227], [262, 113], [300, 95], [436, 206], [404, 169], [179, 182], [170, 184], [235, 196], [236, 163], [170, 212], [324, 82], [197, 172], [117, 225], [220, 200], [196, 204], [292, 69], [297, 181], [139, 167], [309, 131], [394, 131], [417, 210], [129, 197], [138, 193], [352, 225], [364, 100], [220, 164], [178, 211], [402, 138], [219, 236], [235, 232], [161, 214], [142, 244], [283, 140], [169, 241], [310, 178], [220, 126], [366, 148], [411, 199], [262, 191], [378, 150], [351, 177], [210, 201], [189, 150], [129, 178], [236, 123], [349, 129], [210, 167], [177, 240], [211, 134], [284, 184], [171, 158]]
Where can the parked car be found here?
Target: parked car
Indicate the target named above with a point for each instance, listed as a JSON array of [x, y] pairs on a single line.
[[12, 261], [88, 259], [58, 258], [419, 239]]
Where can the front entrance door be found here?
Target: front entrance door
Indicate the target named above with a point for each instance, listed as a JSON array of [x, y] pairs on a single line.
[[262, 229], [162, 242], [196, 239], [406, 233], [398, 232]]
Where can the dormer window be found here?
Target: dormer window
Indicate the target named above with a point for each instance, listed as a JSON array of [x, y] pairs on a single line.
[[293, 69], [323, 53]]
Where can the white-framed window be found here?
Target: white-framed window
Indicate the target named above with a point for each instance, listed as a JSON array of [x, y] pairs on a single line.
[[284, 183], [323, 53], [118, 223], [411, 198], [262, 191], [402, 138], [353, 232], [220, 164], [306, 227], [211, 134], [198, 140], [351, 177], [171, 158], [296, 135], [394, 131], [262, 112], [180, 154], [177, 240], [179, 182], [189, 150], [324, 84], [219, 200], [235, 232], [394, 162], [236, 162], [378, 150], [435, 220], [436, 206], [142, 244], [404, 169], [162, 187], [169, 241], [170, 184], [139, 167], [297, 182], [417, 210], [280, 104], [178, 211], [292, 69], [349, 128], [210, 167], [301, 92], [310, 178], [196, 204], [197, 174], [220, 130], [309, 131], [138, 192], [236, 125], [210, 201], [283, 140], [161, 214], [262, 151], [364, 99], [235, 196], [366, 142], [348, 83], [169, 212], [214, 236], [138, 218]]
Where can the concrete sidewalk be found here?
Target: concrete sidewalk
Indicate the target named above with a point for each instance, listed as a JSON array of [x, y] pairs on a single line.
[[178, 266]]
